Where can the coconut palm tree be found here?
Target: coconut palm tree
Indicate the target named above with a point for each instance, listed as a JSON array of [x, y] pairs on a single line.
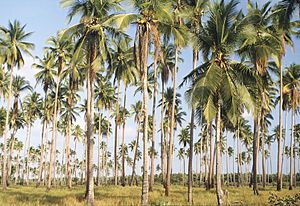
[[32, 110], [60, 47], [3, 82], [14, 45], [291, 82], [92, 32], [45, 77], [225, 90]]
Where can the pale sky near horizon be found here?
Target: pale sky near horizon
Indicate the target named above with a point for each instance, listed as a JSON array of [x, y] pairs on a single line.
[[46, 17]]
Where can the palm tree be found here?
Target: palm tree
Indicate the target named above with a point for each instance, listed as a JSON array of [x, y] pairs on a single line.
[[3, 81], [223, 95], [20, 85], [14, 45], [291, 81], [44, 76], [32, 110], [91, 32], [60, 48], [258, 46], [138, 113], [198, 8]]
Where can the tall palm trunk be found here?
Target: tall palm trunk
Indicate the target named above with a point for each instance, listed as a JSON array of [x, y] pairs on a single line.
[[200, 161], [162, 134], [40, 175], [283, 145], [6, 132], [116, 136], [218, 157], [54, 128], [106, 149], [28, 156], [136, 146], [46, 154], [24, 155], [17, 168], [239, 156], [264, 177], [255, 152], [153, 121], [11, 149], [144, 59], [279, 162], [191, 142], [227, 161], [89, 195], [68, 152], [99, 148], [170, 151], [123, 139], [210, 175], [291, 184]]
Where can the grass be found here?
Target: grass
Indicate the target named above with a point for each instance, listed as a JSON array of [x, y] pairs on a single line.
[[112, 195]]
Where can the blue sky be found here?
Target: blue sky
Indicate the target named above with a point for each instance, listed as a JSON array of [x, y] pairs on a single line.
[[46, 17]]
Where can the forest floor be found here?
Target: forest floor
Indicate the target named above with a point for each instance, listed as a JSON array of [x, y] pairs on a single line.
[[112, 195]]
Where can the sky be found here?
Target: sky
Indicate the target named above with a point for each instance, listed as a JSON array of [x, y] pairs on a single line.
[[46, 17]]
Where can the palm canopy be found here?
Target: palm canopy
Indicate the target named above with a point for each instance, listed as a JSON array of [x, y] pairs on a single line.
[[220, 78], [14, 44]]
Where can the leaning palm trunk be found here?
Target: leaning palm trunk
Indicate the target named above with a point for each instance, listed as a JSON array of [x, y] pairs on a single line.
[[89, 195], [291, 184], [99, 148], [144, 41], [116, 136], [136, 146], [218, 157], [170, 151], [6, 131], [53, 138]]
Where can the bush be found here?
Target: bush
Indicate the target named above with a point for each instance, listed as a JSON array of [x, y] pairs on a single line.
[[284, 201]]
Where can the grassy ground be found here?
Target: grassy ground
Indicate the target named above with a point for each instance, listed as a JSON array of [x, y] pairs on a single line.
[[111, 195]]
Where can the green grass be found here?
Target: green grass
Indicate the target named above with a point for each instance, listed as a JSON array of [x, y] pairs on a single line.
[[112, 195]]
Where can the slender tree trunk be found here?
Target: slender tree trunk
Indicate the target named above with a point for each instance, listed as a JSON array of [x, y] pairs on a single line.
[[233, 163], [210, 175], [89, 195], [106, 152], [116, 136], [53, 139], [263, 152], [99, 148], [17, 168], [123, 139], [6, 132], [162, 135], [190, 167], [40, 175], [283, 146], [28, 157], [68, 154], [46, 154], [153, 121], [11, 149], [227, 161], [24, 155], [136, 146], [238, 156], [144, 58], [218, 157], [255, 152], [279, 174], [169, 157], [291, 184]]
